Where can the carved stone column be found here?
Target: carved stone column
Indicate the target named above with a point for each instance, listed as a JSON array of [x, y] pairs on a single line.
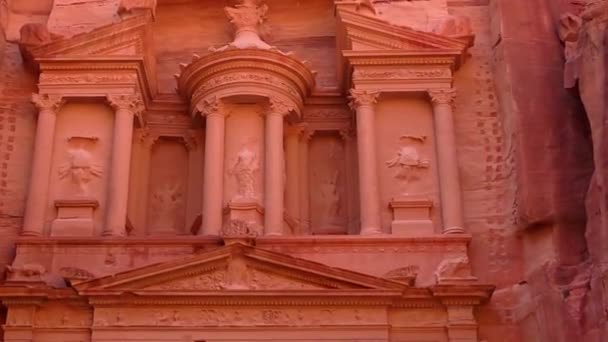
[[213, 178], [347, 137], [292, 165], [48, 106], [304, 182], [274, 182], [146, 142], [363, 102], [125, 107], [449, 178], [195, 162]]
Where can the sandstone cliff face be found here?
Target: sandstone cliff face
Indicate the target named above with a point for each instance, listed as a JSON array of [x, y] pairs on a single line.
[[526, 156], [559, 298]]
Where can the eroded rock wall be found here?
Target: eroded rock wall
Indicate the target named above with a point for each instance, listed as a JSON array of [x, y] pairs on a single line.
[[555, 299]]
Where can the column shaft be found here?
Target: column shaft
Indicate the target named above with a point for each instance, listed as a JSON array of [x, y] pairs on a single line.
[[118, 191], [292, 165], [449, 178], [213, 179], [304, 184], [41, 165], [274, 182], [369, 191]]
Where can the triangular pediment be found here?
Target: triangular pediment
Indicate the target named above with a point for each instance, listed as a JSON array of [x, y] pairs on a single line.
[[236, 267], [363, 32], [129, 37]]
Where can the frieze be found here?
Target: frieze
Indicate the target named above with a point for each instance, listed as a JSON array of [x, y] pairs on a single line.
[[87, 78], [401, 74], [327, 114], [221, 316], [243, 277], [245, 77]]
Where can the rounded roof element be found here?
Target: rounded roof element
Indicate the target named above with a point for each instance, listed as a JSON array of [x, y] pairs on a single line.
[[246, 74]]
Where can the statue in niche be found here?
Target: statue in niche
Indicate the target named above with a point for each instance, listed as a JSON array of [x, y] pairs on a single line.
[[586, 50], [329, 195], [408, 161], [165, 202], [80, 167], [244, 169]]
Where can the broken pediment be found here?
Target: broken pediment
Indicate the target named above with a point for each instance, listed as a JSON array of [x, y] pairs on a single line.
[[362, 32], [235, 267], [129, 37]]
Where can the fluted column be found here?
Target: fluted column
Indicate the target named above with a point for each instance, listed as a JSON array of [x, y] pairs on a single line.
[[274, 181], [304, 182], [213, 178], [449, 178], [363, 102], [292, 165], [35, 209], [125, 109]]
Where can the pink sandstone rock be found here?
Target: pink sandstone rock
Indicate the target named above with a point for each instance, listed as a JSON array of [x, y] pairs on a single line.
[[337, 170]]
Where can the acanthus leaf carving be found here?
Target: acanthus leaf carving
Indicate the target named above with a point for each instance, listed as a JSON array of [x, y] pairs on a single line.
[[131, 103], [360, 98], [442, 96], [47, 102]]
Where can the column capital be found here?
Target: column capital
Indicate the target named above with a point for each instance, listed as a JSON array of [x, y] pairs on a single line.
[[360, 98], [442, 96], [48, 102], [279, 107], [131, 103], [211, 106]]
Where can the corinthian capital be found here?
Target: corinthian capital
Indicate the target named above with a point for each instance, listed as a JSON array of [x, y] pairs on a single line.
[[360, 98], [48, 102], [211, 106], [131, 103], [442, 96], [280, 107]]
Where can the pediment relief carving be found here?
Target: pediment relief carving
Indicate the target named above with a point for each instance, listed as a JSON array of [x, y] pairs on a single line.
[[236, 267], [125, 38], [369, 33]]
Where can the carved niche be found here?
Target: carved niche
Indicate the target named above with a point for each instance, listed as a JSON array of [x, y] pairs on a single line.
[[328, 176]]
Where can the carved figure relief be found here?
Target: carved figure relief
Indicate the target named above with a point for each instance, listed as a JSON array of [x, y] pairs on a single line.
[[27, 272], [408, 162], [243, 170], [166, 202], [329, 198], [80, 167]]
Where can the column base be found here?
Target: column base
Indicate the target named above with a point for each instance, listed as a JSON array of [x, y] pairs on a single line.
[[411, 216], [371, 231], [74, 217], [30, 233], [454, 230], [247, 211]]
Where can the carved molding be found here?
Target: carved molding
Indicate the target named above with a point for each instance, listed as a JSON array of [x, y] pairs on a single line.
[[86, 78], [442, 96], [46, 102], [401, 74], [360, 98], [227, 316]]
